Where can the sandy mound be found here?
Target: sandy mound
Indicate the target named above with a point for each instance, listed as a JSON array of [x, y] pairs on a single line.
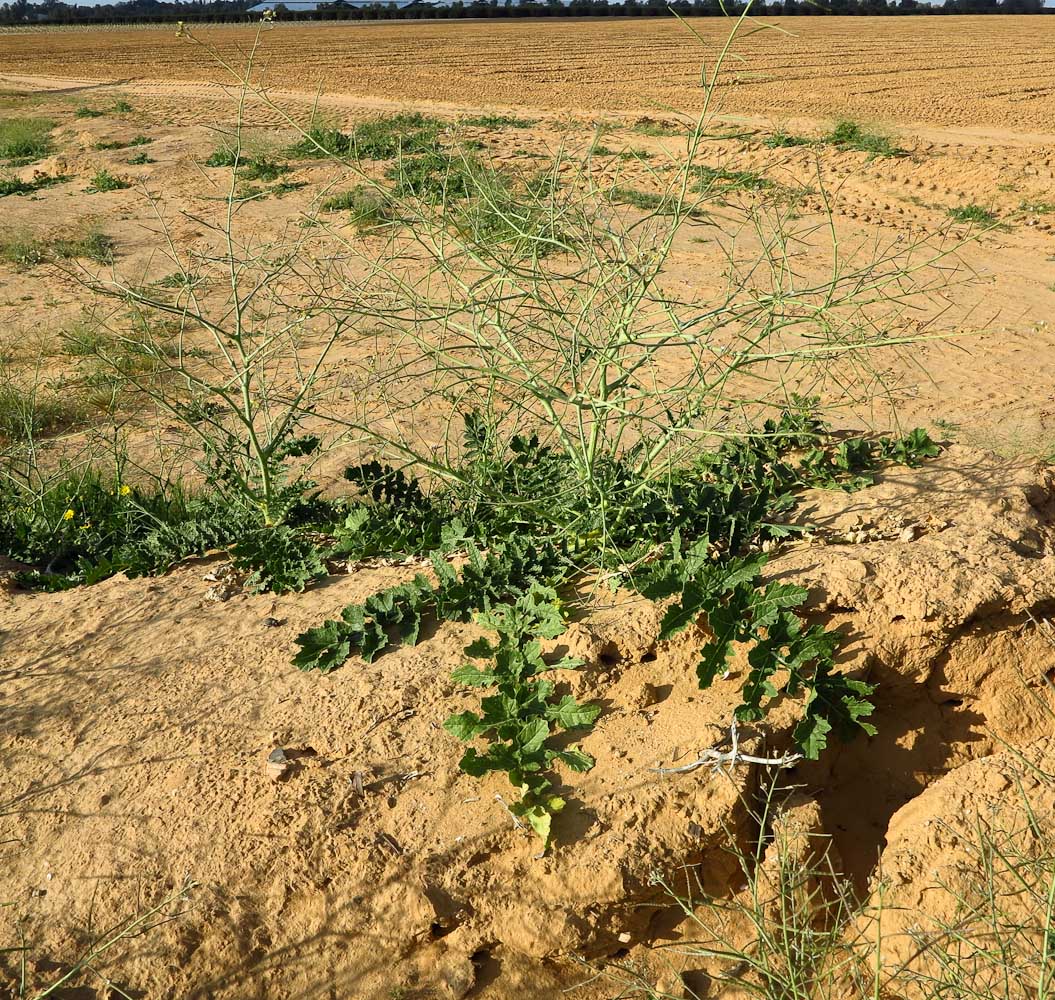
[[980, 834], [139, 719]]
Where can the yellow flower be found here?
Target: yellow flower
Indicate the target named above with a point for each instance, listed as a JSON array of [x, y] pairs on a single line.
[[68, 516], [125, 490]]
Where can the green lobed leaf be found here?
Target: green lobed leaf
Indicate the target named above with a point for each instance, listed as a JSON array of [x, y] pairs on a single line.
[[569, 714]]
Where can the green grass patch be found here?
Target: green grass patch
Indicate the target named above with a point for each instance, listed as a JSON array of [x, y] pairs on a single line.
[[37, 409], [711, 178], [497, 121], [287, 187], [781, 139], [658, 129], [1037, 207], [24, 250], [974, 215], [223, 156], [367, 206], [848, 134], [262, 169], [138, 159], [511, 219], [93, 245], [321, 141], [377, 139], [252, 171], [25, 139], [647, 201], [117, 108]]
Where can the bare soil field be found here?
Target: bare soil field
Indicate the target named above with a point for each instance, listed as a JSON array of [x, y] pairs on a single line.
[[964, 72], [140, 717]]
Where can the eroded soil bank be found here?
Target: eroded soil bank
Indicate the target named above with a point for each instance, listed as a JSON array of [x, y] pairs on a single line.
[[138, 717]]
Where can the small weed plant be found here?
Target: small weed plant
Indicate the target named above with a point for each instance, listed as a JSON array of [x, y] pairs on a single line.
[[104, 181], [366, 205], [518, 720], [225, 155], [848, 134], [659, 129], [782, 139], [974, 215]]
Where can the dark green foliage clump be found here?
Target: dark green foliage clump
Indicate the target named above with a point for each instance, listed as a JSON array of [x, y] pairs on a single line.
[[12, 185], [387, 138], [711, 178], [730, 500], [263, 169], [848, 134], [377, 139], [785, 140], [367, 206], [505, 540], [84, 528], [508, 570], [975, 215], [436, 176], [106, 181], [223, 156], [322, 141], [279, 559]]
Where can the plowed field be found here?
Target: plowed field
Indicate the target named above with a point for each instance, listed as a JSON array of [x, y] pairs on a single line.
[[947, 71]]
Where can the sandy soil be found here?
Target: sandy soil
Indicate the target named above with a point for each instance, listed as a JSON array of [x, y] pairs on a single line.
[[951, 71], [138, 716], [139, 719], [992, 382]]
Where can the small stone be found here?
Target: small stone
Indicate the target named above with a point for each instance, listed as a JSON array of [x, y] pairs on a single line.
[[908, 533], [277, 764], [274, 622]]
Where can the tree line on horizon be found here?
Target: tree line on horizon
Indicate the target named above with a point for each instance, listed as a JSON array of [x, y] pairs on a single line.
[[129, 11]]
